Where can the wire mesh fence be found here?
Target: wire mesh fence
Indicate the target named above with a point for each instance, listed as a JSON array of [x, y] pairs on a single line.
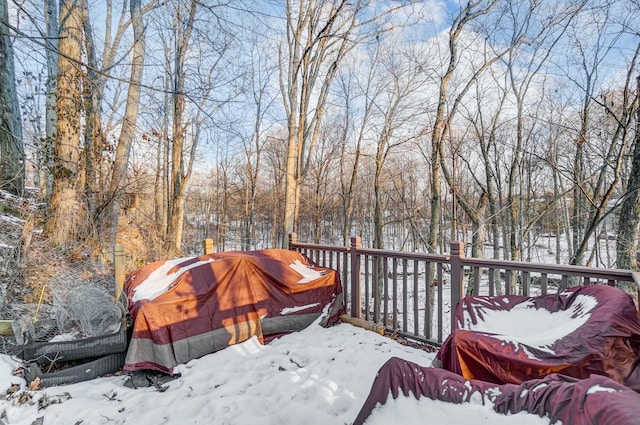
[[80, 302]]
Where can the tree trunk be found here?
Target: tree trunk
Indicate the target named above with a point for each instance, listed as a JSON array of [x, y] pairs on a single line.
[[513, 199], [290, 185], [378, 239], [577, 215], [93, 183], [348, 186], [11, 145], [45, 153], [177, 186], [629, 222], [127, 131], [67, 213], [163, 212]]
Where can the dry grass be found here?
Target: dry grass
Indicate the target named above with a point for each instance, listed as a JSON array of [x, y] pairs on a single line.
[[29, 262], [37, 276]]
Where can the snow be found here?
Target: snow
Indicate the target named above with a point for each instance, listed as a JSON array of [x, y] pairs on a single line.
[[315, 376], [64, 337], [600, 389], [403, 411], [289, 310], [525, 325], [161, 280], [11, 219], [309, 274]]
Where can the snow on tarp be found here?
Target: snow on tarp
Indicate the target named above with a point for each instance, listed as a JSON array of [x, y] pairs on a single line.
[[188, 307], [572, 401], [580, 331]]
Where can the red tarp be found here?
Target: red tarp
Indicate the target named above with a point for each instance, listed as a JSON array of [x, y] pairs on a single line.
[[581, 331], [185, 308], [591, 401]]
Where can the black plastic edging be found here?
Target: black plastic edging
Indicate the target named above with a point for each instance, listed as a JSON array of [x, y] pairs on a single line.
[[85, 348], [79, 373]]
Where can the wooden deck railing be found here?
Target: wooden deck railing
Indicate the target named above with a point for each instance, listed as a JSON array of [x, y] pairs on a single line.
[[415, 294]]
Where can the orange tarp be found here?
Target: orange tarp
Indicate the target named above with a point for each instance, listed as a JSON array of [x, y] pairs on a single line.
[[186, 308]]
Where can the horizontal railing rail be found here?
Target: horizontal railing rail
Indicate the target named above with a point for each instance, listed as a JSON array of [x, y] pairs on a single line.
[[415, 294]]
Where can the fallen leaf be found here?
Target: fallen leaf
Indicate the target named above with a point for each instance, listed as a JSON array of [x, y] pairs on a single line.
[[35, 384]]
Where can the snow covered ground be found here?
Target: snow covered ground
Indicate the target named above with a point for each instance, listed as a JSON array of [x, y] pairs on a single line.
[[316, 376]]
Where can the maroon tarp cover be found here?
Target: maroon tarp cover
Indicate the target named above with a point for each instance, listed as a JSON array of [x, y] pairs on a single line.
[[188, 307], [581, 331], [596, 400]]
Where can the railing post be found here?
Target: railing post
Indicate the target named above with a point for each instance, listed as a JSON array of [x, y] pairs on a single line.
[[356, 293], [457, 277], [118, 270], [207, 246], [293, 239], [636, 279]]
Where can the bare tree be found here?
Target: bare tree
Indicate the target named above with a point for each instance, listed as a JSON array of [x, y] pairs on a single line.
[[320, 33], [595, 187], [100, 69], [354, 90], [127, 131], [190, 106], [273, 200], [591, 55], [317, 204], [396, 110], [184, 16], [542, 26], [486, 120], [79, 181], [260, 79], [443, 118]]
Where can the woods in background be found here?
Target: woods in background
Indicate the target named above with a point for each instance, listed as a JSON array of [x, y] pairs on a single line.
[[408, 123]]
